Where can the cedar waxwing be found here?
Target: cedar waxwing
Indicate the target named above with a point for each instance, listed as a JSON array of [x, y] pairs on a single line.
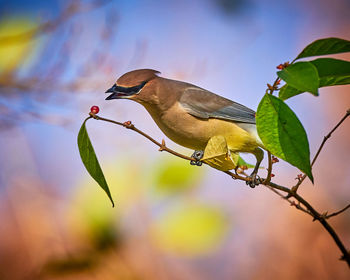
[[190, 115]]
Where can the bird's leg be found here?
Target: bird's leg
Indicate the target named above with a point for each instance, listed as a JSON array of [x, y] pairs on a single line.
[[197, 155], [254, 179]]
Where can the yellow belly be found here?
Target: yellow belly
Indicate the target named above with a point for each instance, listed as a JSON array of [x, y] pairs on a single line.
[[194, 133]]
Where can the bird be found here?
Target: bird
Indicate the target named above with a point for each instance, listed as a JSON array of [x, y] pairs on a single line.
[[190, 115]]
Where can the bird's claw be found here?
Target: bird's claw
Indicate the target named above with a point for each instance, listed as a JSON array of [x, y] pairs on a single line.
[[253, 180], [197, 155]]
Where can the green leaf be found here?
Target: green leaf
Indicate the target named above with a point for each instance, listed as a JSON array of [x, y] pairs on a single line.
[[331, 72], [242, 162], [302, 76], [325, 46], [287, 91], [282, 133], [90, 161]]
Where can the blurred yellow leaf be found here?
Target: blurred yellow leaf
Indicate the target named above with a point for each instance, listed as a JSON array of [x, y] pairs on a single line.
[[16, 42], [175, 175], [190, 230], [217, 154]]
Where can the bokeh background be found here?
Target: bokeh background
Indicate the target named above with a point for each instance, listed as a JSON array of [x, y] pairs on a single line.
[[171, 220]]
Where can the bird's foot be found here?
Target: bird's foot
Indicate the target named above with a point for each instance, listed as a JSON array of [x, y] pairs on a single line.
[[253, 180], [197, 155]]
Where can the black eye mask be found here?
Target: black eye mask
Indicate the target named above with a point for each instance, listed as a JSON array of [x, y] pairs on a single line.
[[118, 91]]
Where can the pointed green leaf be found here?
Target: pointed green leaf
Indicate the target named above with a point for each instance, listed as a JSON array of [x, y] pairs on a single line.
[[90, 161], [287, 91], [331, 72], [325, 46], [302, 76], [282, 133]]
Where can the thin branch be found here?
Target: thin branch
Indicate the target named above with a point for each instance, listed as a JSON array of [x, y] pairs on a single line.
[[337, 213], [291, 202], [162, 146], [236, 176], [347, 114], [319, 217], [269, 169], [302, 204], [129, 125], [270, 89]]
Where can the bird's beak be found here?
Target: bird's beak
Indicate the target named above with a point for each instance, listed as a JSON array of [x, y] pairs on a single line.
[[115, 93]]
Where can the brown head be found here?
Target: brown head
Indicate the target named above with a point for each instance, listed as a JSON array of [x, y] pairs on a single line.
[[135, 85]]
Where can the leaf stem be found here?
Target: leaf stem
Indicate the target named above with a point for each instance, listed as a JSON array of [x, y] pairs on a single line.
[[271, 89]]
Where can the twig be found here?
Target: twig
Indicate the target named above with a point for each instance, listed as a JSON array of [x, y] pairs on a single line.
[[337, 213], [129, 125], [270, 89], [302, 204], [269, 169], [319, 217], [295, 188], [291, 202], [162, 146]]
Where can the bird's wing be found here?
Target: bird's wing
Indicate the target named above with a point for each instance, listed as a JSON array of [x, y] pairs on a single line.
[[205, 104]]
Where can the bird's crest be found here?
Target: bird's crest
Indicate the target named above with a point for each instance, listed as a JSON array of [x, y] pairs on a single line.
[[137, 77]]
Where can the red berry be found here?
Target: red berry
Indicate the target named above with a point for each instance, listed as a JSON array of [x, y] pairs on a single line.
[[94, 109], [272, 175]]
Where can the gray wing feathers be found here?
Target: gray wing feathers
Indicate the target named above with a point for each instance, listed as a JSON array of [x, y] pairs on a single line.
[[205, 104]]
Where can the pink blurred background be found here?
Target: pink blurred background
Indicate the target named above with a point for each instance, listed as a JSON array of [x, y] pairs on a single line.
[[171, 220]]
